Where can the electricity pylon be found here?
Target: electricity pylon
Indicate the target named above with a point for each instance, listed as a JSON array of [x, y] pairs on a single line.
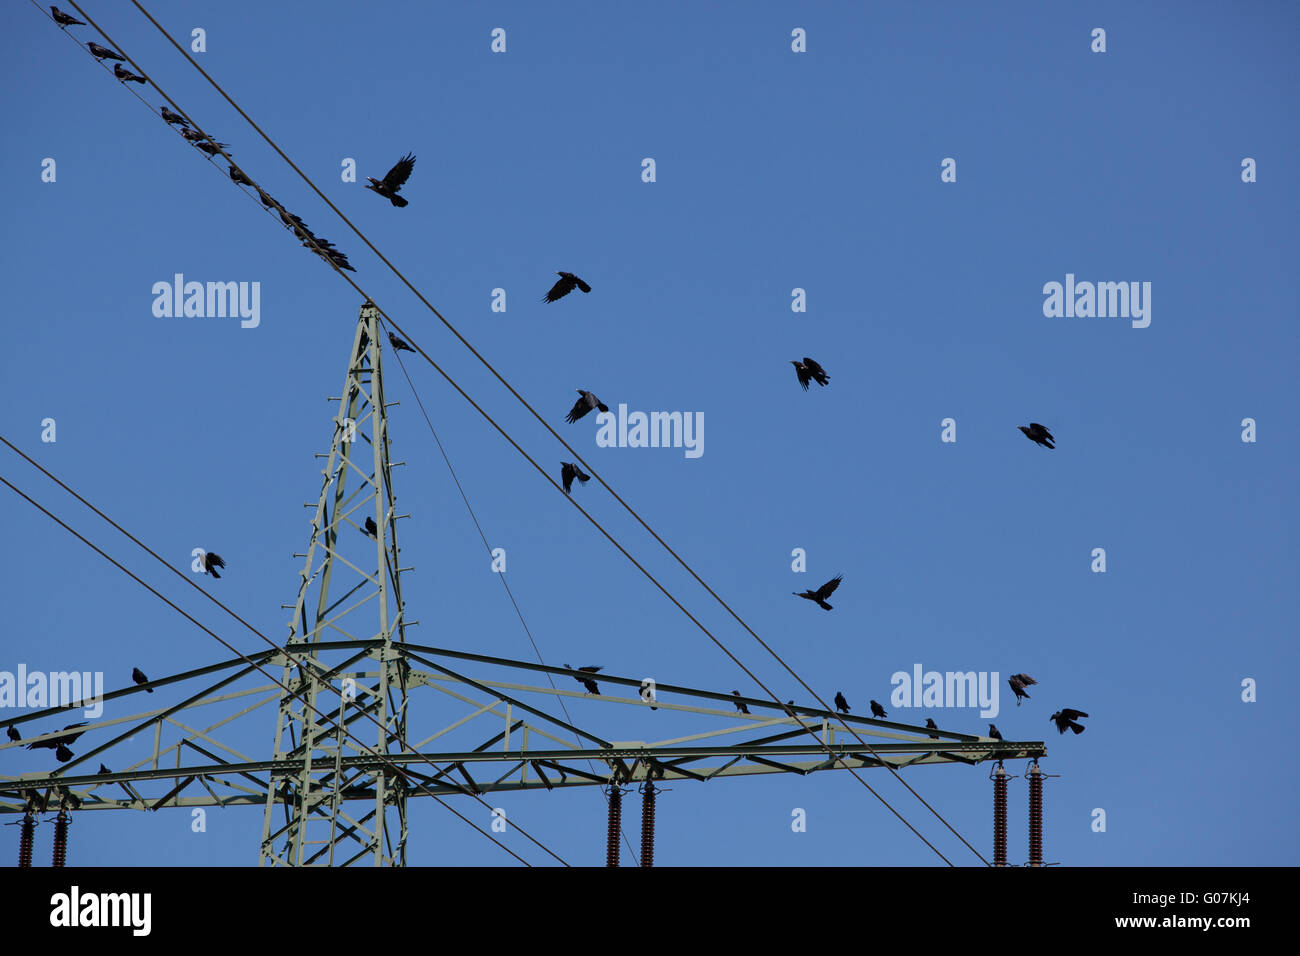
[[337, 742]]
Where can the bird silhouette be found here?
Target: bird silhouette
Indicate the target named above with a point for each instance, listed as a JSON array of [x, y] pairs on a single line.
[[1018, 684], [389, 186], [931, 725], [1038, 434], [568, 472], [810, 371], [585, 403], [877, 710], [371, 528], [1065, 718], [125, 75], [13, 733], [137, 675], [170, 117], [740, 704], [64, 19], [822, 593], [103, 52], [212, 561], [590, 685], [993, 732], [397, 344], [566, 284], [841, 704]]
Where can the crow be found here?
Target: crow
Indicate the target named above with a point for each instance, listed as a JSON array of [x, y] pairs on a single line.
[[14, 734], [993, 732], [877, 710], [137, 675], [810, 371], [339, 259], [193, 135], [238, 176], [103, 52], [388, 187], [1037, 433], [841, 704], [568, 472], [398, 344], [212, 147], [211, 562], [566, 285], [740, 704], [170, 117], [822, 593], [1066, 717], [1018, 684], [371, 528], [591, 686], [583, 405], [61, 741], [931, 725], [103, 769], [125, 75], [265, 197], [62, 19]]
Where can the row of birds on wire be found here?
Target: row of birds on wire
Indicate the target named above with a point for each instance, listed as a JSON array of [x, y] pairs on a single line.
[[807, 371]]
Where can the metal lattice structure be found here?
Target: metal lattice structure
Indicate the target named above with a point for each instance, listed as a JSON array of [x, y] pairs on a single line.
[[343, 766]]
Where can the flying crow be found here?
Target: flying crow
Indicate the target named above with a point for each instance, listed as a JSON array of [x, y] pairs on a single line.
[[211, 562], [103, 52], [877, 710], [388, 187], [238, 176], [398, 344], [841, 704], [137, 675], [125, 75], [586, 403], [740, 704], [14, 734], [993, 732], [590, 685], [1018, 684], [371, 528], [566, 285], [822, 593], [810, 371], [568, 472], [62, 19], [930, 724], [1037, 433], [170, 117], [1066, 718]]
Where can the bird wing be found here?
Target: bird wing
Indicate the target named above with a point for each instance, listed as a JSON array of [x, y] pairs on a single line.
[[1069, 714], [215, 559], [813, 366], [827, 589], [400, 173], [580, 408], [561, 288], [582, 285], [805, 375]]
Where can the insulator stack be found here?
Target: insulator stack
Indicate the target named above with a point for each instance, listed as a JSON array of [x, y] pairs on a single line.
[[1000, 817], [648, 824], [1035, 815], [26, 839], [615, 824], [61, 838]]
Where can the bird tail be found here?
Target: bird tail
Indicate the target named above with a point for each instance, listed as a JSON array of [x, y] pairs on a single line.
[[398, 201]]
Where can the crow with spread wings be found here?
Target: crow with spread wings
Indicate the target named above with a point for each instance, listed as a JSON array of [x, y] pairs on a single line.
[[389, 186]]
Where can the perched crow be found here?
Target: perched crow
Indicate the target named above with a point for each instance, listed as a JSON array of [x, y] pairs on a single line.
[[103, 769], [1018, 684], [993, 732], [265, 197], [810, 371], [193, 135], [137, 675], [1037, 433], [170, 117], [590, 685], [822, 593], [371, 528], [568, 472], [877, 710], [211, 562], [340, 260], [103, 52], [586, 403], [238, 176], [1066, 718], [930, 724], [212, 147], [14, 734], [63, 19], [125, 75], [841, 704], [740, 704], [398, 344], [61, 741], [566, 285], [392, 183]]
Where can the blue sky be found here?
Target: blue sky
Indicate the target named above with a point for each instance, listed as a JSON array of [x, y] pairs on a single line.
[[775, 170]]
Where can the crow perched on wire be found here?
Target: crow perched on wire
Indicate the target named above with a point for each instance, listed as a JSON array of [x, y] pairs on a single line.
[[568, 281], [810, 371], [877, 710], [212, 561], [740, 704], [1018, 684], [193, 135], [13, 733], [103, 52], [822, 593], [568, 472], [137, 675], [125, 75], [238, 176], [841, 704], [212, 147], [170, 117], [993, 732], [265, 197], [388, 187], [590, 685], [1066, 717], [371, 528], [1038, 434], [63, 20], [583, 405], [398, 344], [931, 725]]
